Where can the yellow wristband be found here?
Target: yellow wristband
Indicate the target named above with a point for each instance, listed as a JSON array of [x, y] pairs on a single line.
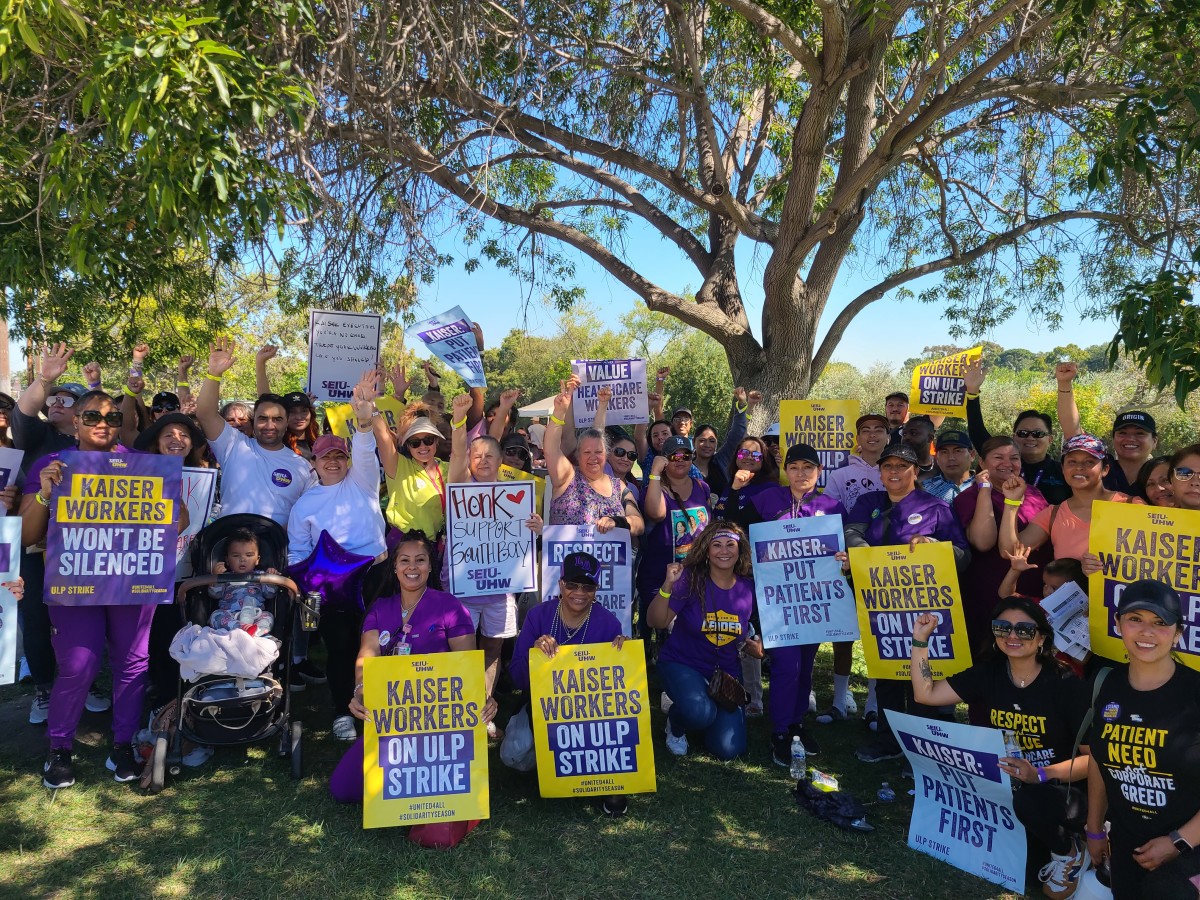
[[1009, 501], [555, 420], [460, 423], [211, 377], [40, 499], [182, 384], [654, 477], [663, 593], [972, 396], [741, 407], [129, 393]]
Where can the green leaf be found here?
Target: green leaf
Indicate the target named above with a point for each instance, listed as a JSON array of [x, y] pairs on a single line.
[[219, 78], [221, 184], [28, 36]]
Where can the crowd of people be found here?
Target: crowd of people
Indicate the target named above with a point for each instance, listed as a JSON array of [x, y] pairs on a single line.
[[1015, 511]]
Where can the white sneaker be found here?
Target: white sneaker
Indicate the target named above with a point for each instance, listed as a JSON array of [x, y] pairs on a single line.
[[812, 701], [851, 705], [677, 745], [39, 709], [665, 703], [23, 673], [1060, 876], [344, 730], [97, 702], [197, 756]]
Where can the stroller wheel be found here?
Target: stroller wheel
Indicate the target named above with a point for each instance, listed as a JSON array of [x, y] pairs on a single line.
[[158, 765], [295, 750]]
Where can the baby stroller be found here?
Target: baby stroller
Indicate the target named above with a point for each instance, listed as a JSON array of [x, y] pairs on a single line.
[[225, 710]]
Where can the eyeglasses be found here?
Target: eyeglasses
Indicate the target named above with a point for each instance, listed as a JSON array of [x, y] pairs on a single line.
[[164, 407], [94, 417], [1183, 473], [516, 452], [755, 455], [622, 453], [1025, 433], [1026, 631], [66, 401], [577, 587], [679, 457], [428, 441]]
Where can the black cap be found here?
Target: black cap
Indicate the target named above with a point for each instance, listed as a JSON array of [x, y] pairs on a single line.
[[676, 443], [1152, 596], [682, 411], [871, 417], [954, 438], [581, 568], [163, 399], [896, 395], [148, 439], [296, 399], [900, 451], [1135, 418], [801, 453]]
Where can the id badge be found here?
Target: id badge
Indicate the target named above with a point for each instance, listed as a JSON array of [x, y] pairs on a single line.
[[404, 648]]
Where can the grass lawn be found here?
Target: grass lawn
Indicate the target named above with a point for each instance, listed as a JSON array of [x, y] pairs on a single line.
[[239, 827]]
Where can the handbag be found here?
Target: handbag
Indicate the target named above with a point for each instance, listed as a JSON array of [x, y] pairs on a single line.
[[725, 690]]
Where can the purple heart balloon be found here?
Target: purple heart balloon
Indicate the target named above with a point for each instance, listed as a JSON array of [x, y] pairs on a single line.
[[336, 573]]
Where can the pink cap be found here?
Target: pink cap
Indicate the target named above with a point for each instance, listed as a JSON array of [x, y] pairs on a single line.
[[327, 443]]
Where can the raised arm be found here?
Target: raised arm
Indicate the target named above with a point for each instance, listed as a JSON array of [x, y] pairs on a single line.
[[739, 422], [603, 397], [131, 399], [659, 614], [654, 504], [925, 689], [560, 469], [973, 380], [1068, 412], [363, 469], [262, 382], [183, 390], [220, 358], [982, 529], [475, 413], [508, 399], [1032, 535], [385, 446], [52, 362], [459, 470]]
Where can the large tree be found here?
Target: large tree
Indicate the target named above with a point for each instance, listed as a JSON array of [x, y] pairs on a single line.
[[978, 139]]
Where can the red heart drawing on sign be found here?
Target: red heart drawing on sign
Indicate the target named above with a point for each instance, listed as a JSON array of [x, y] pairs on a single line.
[[515, 498]]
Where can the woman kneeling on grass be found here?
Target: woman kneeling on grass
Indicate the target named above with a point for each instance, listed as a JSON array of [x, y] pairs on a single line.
[[1018, 685], [708, 601]]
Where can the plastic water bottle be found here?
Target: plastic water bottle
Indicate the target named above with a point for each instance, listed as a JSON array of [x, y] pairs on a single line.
[[1012, 747], [799, 760], [885, 793]]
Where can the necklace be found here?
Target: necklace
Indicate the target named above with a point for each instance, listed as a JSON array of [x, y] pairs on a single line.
[[405, 613], [569, 634], [1019, 682]]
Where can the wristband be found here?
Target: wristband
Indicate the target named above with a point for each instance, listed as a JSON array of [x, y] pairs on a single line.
[[663, 593], [128, 393], [1096, 835], [182, 384], [94, 385], [654, 478], [985, 484], [1009, 501], [211, 377], [920, 645], [40, 499], [135, 370], [555, 420], [1068, 391], [972, 396], [741, 407], [1042, 775], [460, 423]]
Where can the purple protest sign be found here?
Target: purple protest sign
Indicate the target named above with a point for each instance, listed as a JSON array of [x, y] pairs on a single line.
[[626, 378], [113, 527], [450, 338]]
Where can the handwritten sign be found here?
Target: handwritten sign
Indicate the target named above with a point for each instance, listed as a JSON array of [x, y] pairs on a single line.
[[615, 554], [425, 753], [113, 525], [198, 491], [449, 337], [10, 570], [491, 550], [963, 807], [894, 585], [341, 346], [626, 378], [1136, 542], [938, 386], [591, 721], [803, 597], [825, 425]]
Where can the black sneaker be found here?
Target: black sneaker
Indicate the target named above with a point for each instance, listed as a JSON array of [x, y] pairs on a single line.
[[58, 771], [616, 805], [122, 764], [781, 750], [878, 750], [306, 673], [811, 747]]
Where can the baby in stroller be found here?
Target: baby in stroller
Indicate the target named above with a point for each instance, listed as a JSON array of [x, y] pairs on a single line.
[[242, 604]]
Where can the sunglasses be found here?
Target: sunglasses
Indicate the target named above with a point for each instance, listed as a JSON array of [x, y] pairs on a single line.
[[66, 401], [679, 457], [1183, 473], [428, 441], [579, 587], [5, 407], [516, 452], [94, 417], [165, 407], [1025, 433], [1026, 631], [755, 455], [622, 453]]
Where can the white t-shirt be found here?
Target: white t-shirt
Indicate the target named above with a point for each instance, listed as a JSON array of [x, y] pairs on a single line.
[[537, 434], [254, 480], [348, 510]]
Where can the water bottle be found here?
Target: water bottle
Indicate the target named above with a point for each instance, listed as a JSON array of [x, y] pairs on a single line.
[[1012, 747], [885, 793], [799, 760]]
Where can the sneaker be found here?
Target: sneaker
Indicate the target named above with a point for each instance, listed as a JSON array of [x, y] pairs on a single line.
[[308, 673], [811, 747], [616, 805], [344, 730], [851, 706], [812, 701], [754, 710], [197, 756], [1060, 876], [39, 709], [871, 719], [878, 750], [122, 763], [23, 673], [676, 744], [831, 715], [665, 703], [781, 750], [58, 771], [96, 702]]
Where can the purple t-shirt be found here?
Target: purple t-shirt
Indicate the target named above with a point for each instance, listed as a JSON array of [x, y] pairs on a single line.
[[602, 626], [669, 540], [33, 477], [918, 513], [436, 618], [777, 502], [707, 630]]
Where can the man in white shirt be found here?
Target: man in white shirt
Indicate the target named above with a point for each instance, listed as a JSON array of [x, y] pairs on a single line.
[[537, 432]]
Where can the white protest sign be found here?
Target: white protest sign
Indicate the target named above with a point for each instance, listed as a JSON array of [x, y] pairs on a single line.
[[803, 597], [449, 337], [10, 464], [613, 550], [198, 493], [490, 549], [1067, 610], [626, 378], [963, 809], [10, 570], [341, 346]]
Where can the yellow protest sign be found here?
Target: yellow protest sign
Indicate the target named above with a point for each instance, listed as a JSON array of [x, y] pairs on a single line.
[[425, 753], [937, 386], [825, 425], [1136, 542], [508, 473], [340, 415], [591, 721], [894, 585]]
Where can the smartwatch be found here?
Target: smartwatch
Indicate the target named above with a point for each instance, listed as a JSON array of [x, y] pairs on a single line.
[[1180, 842]]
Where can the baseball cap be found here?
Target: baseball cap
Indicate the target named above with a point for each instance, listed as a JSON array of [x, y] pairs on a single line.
[[165, 400], [676, 443], [423, 425], [74, 388], [327, 443], [1135, 418], [1090, 445], [896, 395], [954, 438], [871, 417], [773, 431], [682, 411], [900, 451], [1152, 596], [581, 568], [295, 399], [801, 453]]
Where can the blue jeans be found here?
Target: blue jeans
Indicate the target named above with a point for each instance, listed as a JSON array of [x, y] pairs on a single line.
[[694, 710]]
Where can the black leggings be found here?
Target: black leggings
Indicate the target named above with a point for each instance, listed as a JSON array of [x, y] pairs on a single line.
[[1051, 813]]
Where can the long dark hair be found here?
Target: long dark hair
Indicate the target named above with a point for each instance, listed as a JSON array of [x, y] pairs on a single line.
[[695, 564], [769, 470], [990, 651]]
